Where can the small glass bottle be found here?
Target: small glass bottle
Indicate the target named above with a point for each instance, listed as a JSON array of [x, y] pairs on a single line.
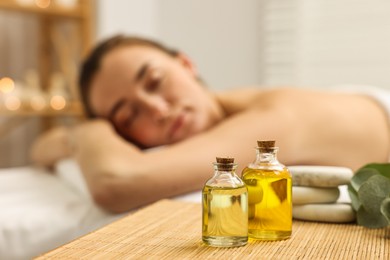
[[225, 207], [269, 195]]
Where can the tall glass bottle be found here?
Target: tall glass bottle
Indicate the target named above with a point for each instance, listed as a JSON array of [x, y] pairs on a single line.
[[225, 207], [269, 195]]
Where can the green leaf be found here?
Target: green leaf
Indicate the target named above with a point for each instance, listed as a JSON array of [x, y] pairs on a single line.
[[369, 190], [385, 209], [372, 192], [382, 168], [361, 176], [355, 202], [370, 220]]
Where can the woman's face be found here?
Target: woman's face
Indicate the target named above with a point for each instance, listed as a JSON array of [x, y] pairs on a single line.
[[151, 97]]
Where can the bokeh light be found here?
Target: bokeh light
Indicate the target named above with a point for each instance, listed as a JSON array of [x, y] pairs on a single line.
[[6, 85], [57, 102], [12, 103], [42, 3]]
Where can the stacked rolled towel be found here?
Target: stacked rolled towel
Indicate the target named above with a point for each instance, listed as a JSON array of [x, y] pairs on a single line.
[[316, 191]]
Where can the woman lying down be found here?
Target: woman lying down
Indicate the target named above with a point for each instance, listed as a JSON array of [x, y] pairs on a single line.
[[140, 94]]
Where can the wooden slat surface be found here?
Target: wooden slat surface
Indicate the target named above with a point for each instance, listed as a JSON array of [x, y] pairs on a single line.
[[172, 230]]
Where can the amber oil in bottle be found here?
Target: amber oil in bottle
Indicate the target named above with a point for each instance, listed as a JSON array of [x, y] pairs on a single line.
[[269, 195], [225, 207]]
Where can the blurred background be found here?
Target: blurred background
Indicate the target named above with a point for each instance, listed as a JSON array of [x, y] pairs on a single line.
[[233, 43]]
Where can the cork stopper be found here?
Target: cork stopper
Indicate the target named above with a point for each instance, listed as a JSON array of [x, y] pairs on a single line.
[[266, 146], [225, 163]]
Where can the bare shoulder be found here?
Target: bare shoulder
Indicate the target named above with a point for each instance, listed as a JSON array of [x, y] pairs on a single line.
[[237, 100]]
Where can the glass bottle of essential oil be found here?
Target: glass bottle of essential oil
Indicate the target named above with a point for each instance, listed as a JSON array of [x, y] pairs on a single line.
[[269, 195], [225, 207]]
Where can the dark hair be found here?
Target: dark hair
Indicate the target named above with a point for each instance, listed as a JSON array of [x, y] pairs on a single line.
[[92, 63]]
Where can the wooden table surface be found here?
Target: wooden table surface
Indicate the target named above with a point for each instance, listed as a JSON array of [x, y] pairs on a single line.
[[172, 230]]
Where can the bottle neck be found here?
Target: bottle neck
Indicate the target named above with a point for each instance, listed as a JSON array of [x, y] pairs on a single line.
[[225, 177], [267, 156], [221, 169]]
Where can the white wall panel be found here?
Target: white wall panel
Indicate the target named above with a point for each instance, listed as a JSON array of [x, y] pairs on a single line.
[[326, 42]]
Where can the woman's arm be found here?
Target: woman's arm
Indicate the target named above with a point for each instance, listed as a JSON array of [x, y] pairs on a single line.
[[102, 154], [130, 179]]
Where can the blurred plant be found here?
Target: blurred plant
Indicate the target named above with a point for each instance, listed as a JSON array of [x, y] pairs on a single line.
[[369, 190]]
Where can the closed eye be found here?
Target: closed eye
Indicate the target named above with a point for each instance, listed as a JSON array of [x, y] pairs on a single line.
[[154, 78], [153, 85]]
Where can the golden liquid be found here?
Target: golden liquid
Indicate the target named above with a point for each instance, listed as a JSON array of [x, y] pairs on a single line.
[[225, 216], [269, 203]]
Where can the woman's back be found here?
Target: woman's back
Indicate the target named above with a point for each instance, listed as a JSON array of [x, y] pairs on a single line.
[[323, 127]]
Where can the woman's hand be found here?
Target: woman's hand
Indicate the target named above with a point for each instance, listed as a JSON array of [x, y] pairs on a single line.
[[51, 147], [99, 138]]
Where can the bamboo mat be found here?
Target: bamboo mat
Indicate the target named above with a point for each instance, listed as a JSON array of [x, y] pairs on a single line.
[[172, 230]]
